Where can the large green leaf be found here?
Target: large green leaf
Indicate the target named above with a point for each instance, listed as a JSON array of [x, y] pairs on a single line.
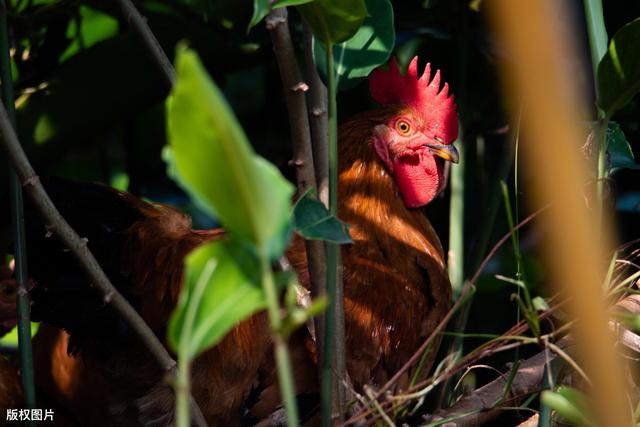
[[619, 69], [261, 8], [334, 21], [313, 221], [370, 47], [218, 167], [222, 288]]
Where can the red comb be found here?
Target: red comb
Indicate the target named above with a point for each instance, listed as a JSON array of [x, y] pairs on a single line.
[[422, 93]]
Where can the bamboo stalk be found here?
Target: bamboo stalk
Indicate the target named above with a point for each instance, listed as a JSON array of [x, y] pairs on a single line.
[[332, 401], [17, 222]]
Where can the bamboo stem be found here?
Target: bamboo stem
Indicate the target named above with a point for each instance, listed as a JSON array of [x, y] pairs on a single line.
[[332, 401], [17, 222]]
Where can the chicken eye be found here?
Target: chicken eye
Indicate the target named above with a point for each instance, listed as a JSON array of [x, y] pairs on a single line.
[[403, 127]]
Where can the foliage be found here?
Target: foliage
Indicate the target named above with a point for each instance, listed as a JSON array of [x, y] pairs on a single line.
[[619, 70], [369, 47], [217, 166], [334, 21], [313, 221]]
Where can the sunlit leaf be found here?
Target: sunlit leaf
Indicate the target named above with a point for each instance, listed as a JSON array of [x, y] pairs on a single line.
[[218, 167], [222, 288], [619, 70], [570, 404], [313, 221], [369, 48], [334, 21], [91, 27]]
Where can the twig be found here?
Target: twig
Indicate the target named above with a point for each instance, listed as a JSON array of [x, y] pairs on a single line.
[[319, 124], [78, 247], [139, 24]]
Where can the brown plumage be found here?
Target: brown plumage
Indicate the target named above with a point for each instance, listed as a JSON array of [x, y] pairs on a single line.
[[116, 381], [395, 280]]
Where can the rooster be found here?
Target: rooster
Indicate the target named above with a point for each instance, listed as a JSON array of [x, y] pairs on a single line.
[[391, 163]]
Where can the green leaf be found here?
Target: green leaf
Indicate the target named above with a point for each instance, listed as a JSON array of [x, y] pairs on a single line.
[[221, 288], [570, 404], [284, 3], [217, 166], [619, 149], [91, 27], [260, 10], [619, 70], [369, 48], [313, 221], [334, 21]]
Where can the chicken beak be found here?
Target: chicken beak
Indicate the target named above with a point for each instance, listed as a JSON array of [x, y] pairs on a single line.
[[444, 151]]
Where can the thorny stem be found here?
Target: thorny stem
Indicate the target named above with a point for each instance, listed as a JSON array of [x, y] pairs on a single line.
[[17, 219], [303, 159], [78, 248], [318, 119], [283, 361]]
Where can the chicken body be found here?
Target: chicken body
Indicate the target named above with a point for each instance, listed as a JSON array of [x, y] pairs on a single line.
[[395, 281]]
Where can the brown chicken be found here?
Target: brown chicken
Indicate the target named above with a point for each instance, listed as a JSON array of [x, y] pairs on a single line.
[[396, 284], [391, 161]]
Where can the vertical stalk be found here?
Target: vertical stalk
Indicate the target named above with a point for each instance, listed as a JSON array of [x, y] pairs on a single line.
[[597, 31], [598, 44], [283, 361], [183, 387], [455, 261], [334, 331], [17, 217]]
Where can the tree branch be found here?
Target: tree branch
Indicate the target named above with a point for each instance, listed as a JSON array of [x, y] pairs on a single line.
[[78, 247], [139, 24], [303, 158], [319, 125]]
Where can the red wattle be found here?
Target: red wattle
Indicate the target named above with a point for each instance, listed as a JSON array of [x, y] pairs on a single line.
[[417, 178]]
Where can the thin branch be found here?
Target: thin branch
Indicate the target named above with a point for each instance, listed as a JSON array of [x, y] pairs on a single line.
[[319, 124], [78, 247], [139, 24], [303, 161]]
